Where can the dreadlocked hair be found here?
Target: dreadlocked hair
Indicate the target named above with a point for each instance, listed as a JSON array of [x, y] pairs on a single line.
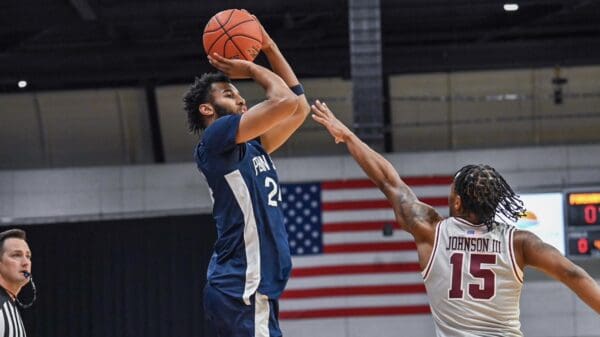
[[485, 193], [199, 93]]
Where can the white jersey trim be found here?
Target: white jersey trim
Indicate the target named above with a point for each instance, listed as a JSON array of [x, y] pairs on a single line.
[[2, 327], [261, 315], [425, 272], [242, 196], [517, 271], [468, 223]]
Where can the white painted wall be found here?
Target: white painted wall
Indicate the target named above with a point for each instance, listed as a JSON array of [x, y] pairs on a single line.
[[175, 188]]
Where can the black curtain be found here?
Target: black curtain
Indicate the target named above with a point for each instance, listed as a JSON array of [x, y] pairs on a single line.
[[133, 277]]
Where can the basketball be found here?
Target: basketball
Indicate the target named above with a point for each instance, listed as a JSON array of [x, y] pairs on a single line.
[[233, 34]]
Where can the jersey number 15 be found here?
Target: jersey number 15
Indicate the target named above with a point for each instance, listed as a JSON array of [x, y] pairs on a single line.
[[476, 270]]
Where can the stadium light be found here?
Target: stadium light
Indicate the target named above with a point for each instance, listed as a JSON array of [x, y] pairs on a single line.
[[511, 7], [22, 84]]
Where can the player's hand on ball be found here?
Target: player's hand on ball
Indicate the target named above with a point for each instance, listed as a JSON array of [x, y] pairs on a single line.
[[266, 38], [234, 69], [324, 116]]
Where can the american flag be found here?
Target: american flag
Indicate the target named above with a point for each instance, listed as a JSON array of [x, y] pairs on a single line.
[[344, 266]]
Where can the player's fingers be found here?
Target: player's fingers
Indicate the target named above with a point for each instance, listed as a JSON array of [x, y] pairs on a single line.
[[219, 66], [319, 120], [320, 113], [220, 58], [322, 106], [253, 16], [316, 109], [220, 63], [327, 110], [213, 60]]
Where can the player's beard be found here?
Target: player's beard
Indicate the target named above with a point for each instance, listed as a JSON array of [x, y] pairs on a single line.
[[222, 111]]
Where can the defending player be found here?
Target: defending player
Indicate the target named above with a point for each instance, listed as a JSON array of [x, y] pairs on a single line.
[[472, 265]]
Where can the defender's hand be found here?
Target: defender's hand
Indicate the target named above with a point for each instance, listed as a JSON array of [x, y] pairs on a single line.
[[324, 116], [234, 69]]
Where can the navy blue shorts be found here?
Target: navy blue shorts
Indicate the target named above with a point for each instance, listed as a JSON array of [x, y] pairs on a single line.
[[231, 317]]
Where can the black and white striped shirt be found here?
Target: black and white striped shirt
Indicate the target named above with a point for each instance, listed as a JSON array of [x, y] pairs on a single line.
[[11, 324]]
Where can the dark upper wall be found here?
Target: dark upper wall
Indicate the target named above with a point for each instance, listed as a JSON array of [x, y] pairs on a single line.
[[91, 43]]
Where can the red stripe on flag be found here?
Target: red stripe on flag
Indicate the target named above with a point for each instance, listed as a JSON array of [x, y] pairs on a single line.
[[434, 180], [357, 226], [355, 291], [355, 205], [344, 184], [375, 204], [369, 247], [353, 312], [356, 269], [364, 183]]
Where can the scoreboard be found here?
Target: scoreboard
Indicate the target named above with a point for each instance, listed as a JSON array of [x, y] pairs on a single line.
[[582, 228]]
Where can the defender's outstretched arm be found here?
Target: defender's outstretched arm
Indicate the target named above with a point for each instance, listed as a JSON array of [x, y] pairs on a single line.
[[413, 215]]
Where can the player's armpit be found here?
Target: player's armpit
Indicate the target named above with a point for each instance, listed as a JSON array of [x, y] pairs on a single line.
[[532, 251]]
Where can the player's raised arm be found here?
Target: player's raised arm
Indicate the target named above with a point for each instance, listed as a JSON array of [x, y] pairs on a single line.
[[532, 251], [275, 137], [413, 215], [280, 102]]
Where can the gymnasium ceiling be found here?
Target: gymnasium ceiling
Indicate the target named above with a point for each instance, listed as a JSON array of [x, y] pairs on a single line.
[[58, 44]]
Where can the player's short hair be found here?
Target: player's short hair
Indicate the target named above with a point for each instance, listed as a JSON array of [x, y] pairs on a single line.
[[199, 93], [11, 233], [485, 193]]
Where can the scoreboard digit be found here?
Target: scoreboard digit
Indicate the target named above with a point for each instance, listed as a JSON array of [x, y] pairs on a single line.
[[583, 223], [583, 209]]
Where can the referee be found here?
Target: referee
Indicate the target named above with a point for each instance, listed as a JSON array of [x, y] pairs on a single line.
[[15, 272]]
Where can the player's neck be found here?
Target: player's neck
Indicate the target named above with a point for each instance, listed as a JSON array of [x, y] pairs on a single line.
[[470, 217]]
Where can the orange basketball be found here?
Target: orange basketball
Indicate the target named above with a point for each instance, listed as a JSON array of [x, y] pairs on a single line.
[[234, 34]]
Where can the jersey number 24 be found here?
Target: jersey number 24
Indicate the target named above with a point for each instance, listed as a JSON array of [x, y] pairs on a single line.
[[274, 191]]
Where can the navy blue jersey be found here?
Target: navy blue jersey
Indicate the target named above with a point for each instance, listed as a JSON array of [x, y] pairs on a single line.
[[252, 251]]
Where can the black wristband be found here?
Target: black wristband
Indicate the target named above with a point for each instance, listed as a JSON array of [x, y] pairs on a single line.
[[298, 89]]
